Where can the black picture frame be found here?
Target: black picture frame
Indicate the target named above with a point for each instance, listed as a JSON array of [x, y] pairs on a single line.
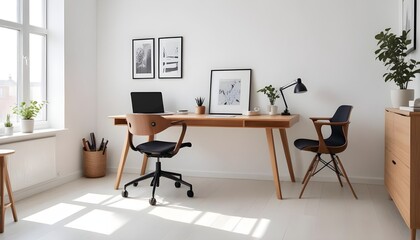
[[143, 58], [230, 91], [170, 57], [409, 22]]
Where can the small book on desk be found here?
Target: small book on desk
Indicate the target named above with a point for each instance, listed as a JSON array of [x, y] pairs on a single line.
[[410, 109]]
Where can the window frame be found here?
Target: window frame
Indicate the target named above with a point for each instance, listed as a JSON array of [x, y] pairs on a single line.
[[23, 60]]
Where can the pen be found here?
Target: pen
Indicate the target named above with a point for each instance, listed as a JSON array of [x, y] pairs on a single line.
[[106, 143], [85, 145]]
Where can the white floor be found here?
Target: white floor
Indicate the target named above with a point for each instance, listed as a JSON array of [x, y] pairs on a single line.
[[221, 209]]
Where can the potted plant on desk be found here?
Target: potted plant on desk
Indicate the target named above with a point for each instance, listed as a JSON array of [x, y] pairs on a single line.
[[392, 52], [200, 109], [28, 112], [8, 126], [272, 95]]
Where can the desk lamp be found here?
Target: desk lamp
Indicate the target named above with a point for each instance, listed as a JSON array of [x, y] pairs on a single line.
[[299, 88]]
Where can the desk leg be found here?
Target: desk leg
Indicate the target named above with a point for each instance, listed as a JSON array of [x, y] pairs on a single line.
[[272, 150], [145, 158], [287, 153], [123, 158]]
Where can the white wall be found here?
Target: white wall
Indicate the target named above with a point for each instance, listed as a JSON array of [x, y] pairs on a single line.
[[328, 43], [80, 84]]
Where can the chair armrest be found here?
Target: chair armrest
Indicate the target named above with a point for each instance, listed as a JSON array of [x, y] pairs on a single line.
[[318, 126], [179, 122], [130, 140], [319, 118], [181, 137]]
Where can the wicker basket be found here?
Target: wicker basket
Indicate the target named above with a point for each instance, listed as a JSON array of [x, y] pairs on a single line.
[[94, 164]]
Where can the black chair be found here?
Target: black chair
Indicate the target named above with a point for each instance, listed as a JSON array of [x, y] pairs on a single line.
[[335, 143], [149, 125]]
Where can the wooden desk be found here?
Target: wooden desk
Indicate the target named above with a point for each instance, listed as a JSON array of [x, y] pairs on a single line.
[[263, 121]]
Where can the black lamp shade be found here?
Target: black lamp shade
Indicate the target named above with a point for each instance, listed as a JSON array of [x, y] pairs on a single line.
[[300, 87]]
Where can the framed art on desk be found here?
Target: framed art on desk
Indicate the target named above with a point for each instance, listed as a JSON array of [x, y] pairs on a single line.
[[229, 91], [143, 58]]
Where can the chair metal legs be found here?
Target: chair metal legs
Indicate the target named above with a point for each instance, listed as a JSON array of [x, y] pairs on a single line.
[[156, 180], [337, 168]]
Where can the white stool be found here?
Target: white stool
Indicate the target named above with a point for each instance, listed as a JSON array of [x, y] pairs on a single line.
[[4, 176]]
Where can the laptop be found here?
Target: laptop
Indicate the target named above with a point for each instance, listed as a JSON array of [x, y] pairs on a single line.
[[148, 102]]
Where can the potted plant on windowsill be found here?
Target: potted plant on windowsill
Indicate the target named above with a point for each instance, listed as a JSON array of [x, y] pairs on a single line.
[[272, 95], [200, 109], [8, 126], [392, 52], [28, 112]]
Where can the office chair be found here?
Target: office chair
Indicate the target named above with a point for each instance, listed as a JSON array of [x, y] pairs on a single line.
[[148, 125], [335, 143]]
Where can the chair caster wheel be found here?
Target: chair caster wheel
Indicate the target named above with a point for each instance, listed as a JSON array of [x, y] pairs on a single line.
[[152, 201], [177, 184], [124, 193], [135, 184], [190, 193]]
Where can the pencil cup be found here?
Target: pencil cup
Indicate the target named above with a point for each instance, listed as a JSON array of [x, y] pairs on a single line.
[[94, 164]]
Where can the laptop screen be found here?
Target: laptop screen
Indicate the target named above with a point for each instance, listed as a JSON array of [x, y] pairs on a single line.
[[147, 102]]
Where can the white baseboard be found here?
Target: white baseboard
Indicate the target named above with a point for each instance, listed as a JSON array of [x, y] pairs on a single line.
[[254, 176], [41, 187]]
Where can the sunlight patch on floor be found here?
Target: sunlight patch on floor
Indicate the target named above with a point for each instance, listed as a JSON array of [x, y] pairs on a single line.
[[227, 223], [261, 228], [175, 214], [54, 214], [93, 198], [131, 204], [99, 221]]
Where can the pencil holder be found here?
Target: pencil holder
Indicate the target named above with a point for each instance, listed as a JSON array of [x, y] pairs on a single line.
[[94, 164]]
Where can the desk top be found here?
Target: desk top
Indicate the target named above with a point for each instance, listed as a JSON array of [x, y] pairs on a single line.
[[209, 120]]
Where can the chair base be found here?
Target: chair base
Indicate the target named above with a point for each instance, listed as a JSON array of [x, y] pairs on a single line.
[[336, 166], [156, 175]]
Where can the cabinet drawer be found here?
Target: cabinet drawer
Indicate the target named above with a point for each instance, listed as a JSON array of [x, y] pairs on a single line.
[[401, 138], [397, 181]]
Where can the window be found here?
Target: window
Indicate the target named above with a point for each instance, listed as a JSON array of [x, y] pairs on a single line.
[[23, 48]]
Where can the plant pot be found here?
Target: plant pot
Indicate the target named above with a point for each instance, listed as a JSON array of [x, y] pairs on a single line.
[[200, 109], [8, 131], [400, 97], [27, 125], [272, 109]]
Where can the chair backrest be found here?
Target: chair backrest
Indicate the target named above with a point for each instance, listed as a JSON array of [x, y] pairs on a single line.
[[146, 125], [339, 133]]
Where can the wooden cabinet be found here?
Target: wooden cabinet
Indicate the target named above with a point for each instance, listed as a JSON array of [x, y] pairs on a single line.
[[402, 164]]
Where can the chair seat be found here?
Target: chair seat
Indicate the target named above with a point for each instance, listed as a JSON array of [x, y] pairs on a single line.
[[159, 148], [312, 145]]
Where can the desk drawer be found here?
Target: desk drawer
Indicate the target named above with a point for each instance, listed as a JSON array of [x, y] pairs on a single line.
[[397, 181], [401, 138]]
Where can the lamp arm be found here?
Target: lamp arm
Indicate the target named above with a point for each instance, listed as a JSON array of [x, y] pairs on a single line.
[[284, 100], [288, 85]]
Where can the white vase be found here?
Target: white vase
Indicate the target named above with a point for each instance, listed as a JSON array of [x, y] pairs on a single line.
[[400, 97], [27, 125], [8, 131], [272, 109]]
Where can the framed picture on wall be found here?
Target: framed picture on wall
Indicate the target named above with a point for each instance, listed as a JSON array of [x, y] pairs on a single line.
[[409, 19], [229, 91], [143, 58], [170, 57]]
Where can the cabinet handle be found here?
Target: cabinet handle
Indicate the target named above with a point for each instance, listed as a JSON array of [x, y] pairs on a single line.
[[394, 162]]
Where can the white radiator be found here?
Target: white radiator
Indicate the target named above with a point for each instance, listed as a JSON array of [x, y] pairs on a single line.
[[32, 163]]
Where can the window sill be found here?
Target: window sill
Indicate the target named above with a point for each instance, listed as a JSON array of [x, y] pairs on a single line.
[[18, 137]]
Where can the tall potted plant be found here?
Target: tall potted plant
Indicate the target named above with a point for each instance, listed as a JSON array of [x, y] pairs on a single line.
[[392, 51], [272, 95], [28, 112]]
